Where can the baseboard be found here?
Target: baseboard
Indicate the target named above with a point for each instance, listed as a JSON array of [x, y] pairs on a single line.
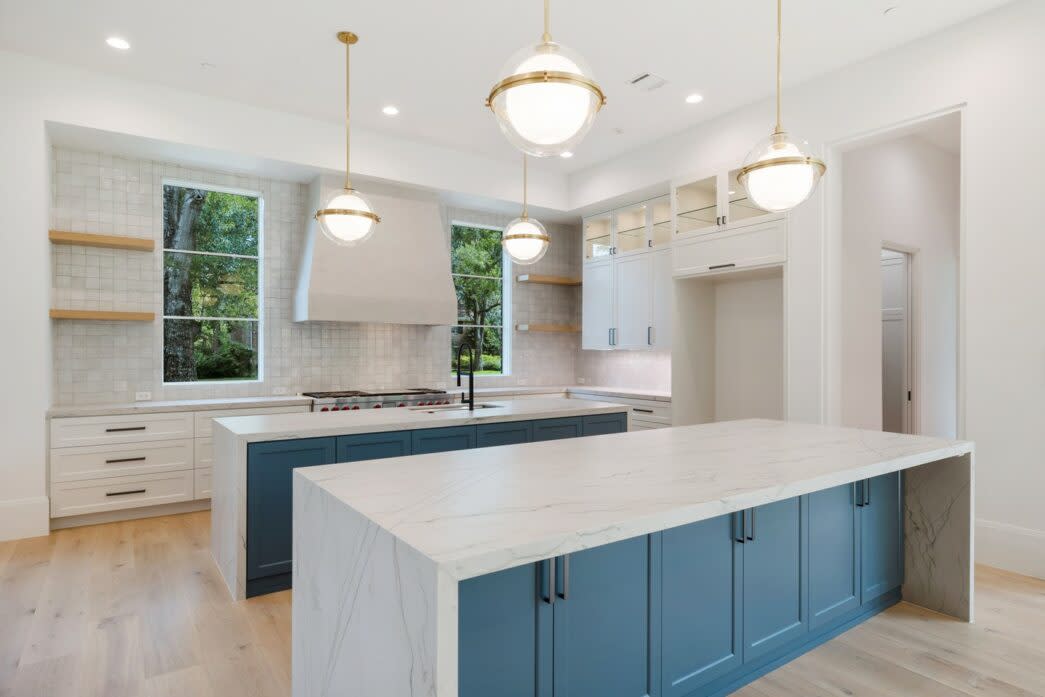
[[1010, 547], [75, 521], [24, 518]]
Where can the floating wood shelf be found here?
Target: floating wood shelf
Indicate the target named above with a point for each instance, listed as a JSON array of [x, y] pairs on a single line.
[[90, 239], [104, 315], [548, 280], [556, 328]]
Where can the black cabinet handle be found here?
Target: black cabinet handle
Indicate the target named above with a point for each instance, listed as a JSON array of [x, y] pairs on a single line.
[[125, 428], [751, 531], [721, 266], [739, 519], [124, 493], [649, 336], [867, 492], [641, 410], [125, 459], [548, 582], [565, 595], [858, 494]]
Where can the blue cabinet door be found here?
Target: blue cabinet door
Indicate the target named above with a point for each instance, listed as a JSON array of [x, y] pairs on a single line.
[[441, 440], [603, 641], [598, 424], [504, 633], [269, 501], [834, 554], [508, 433], [774, 577], [701, 604], [881, 530], [554, 429], [373, 446]]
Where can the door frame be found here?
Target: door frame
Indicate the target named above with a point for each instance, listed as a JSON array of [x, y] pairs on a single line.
[[912, 418]]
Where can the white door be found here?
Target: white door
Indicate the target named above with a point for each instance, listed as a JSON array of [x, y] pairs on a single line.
[[896, 353], [663, 300], [634, 301], [597, 305]]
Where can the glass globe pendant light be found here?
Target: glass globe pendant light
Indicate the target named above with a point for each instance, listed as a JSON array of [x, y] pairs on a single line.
[[777, 174], [347, 218], [525, 239], [548, 100]]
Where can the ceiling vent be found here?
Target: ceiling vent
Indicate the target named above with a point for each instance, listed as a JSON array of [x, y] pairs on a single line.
[[647, 82]]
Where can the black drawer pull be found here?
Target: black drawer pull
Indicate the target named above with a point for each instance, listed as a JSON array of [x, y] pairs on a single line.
[[125, 459], [721, 266], [641, 410], [125, 493], [125, 428]]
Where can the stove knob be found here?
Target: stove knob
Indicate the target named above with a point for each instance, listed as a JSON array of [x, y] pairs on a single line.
[[377, 406], [325, 409], [401, 404], [355, 408]]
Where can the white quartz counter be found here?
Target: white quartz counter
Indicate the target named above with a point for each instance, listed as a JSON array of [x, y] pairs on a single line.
[[155, 407]]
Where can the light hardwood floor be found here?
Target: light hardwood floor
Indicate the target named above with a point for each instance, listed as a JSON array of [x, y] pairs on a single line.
[[138, 608]]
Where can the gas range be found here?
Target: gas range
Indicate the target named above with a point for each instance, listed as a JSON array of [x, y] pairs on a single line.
[[352, 400]]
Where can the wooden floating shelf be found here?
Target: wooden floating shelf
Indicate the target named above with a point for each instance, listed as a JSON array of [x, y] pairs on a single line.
[[548, 280], [104, 315], [555, 328], [90, 239]]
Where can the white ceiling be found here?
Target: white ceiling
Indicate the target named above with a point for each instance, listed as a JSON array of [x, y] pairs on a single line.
[[437, 60]]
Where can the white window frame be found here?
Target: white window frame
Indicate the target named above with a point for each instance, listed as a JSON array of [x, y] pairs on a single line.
[[506, 296], [260, 319]]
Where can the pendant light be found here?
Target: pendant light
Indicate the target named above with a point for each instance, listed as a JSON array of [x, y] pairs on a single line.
[[525, 239], [777, 173], [348, 218], [548, 100]]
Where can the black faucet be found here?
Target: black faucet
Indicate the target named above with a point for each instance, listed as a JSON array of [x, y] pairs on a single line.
[[471, 374]]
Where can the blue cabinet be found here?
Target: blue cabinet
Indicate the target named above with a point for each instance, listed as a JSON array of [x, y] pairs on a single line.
[[701, 604], [834, 554], [441, 440], [269, 505], [506, 433], [881, 532], [373, 446], [598, 424], [774, 577], [554, 429]]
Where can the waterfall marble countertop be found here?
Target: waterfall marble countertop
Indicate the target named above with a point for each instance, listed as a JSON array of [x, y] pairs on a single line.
[[479, 511]]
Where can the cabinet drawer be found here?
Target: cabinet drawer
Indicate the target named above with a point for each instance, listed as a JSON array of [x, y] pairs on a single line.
[[205, 419], [114, 493], [639, 425], [100, 461], [755, 245], [106, 430], [641, 409], [202, 483], [204, 452]]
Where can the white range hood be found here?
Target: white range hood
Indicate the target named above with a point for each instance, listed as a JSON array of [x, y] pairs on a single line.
[[401, 275]]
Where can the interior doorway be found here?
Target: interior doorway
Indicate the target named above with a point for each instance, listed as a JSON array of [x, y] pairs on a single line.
[[897, 335]]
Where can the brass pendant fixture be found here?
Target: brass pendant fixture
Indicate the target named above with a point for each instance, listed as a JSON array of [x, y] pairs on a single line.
[[778, 174], [525, 239], [347, 218], [547, 100]]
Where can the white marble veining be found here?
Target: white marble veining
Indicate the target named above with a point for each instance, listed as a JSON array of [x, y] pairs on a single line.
[[628, 392], [156, 407]]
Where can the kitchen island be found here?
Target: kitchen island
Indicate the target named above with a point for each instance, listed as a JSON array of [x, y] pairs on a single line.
[[254, 457], [676, 562]]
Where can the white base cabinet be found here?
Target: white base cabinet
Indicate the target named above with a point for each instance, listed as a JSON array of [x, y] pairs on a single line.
[[645, 414]]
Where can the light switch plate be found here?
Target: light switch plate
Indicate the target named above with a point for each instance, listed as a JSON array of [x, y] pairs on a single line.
[[142, 396]]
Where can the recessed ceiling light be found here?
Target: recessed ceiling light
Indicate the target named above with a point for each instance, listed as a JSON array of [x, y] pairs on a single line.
[[390, 110], [694, 99], [118, 43], [567, 155]]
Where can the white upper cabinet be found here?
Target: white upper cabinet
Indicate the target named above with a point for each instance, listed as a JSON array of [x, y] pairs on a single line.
[[634, 279], [631, 229], [711, 203], [598, 237], [663, 300], [597, 305]]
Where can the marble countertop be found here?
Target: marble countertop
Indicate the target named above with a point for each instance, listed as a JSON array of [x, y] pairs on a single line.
[[267, 427], [152, 407], [478, 511], [628, 392]]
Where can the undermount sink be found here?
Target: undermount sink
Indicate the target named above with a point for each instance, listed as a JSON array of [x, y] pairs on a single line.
[[455, 407]]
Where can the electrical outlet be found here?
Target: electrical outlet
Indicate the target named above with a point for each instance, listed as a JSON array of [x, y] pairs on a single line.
[[142, 396], [580, 381], [279, 390]]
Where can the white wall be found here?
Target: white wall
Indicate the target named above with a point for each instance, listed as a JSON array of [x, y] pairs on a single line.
[[903, 191], [985, 65]]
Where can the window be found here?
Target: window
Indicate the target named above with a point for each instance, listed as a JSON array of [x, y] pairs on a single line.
[[211, 268], [477, 263]]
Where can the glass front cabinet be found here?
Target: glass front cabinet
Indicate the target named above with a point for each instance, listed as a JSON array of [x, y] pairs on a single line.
[[628, 230], [711, 203]]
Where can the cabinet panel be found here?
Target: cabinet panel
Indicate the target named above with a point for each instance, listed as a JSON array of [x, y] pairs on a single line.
[[269, 499], [774, 577], [702, 604], [373, 446], [755, 245], [99, 461], [598, 237], [104, 430], [115, 493], [554, 429], [663, 300], [441, 440], [881, 535], [630, 227], [633, 287], [602, 624], [660, 221], [509, 433], [834, 561], [599, 424], [597, 306], [697, 205]]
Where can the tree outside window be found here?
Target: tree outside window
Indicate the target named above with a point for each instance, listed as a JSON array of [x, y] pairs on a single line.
[[211, 264], [477, 264]]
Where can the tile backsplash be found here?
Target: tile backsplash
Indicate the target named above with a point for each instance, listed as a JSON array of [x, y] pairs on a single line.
[[105, 362]]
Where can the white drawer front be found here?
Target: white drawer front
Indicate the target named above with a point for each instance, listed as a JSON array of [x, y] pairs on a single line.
[[205, 419], [637, 425], [203, 483], [99, 461], [756, 245], [204, 452], [642, 409], [106, 430], [115, 493]]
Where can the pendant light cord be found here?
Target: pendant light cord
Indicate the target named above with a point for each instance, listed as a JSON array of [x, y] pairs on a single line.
[[547, 36], [525, 215], [779, 83], [348, 180]]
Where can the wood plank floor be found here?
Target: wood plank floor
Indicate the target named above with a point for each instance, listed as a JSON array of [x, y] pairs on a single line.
[[138, 608]]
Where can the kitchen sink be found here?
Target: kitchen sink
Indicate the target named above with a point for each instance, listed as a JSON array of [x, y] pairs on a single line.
[[455, 407]]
